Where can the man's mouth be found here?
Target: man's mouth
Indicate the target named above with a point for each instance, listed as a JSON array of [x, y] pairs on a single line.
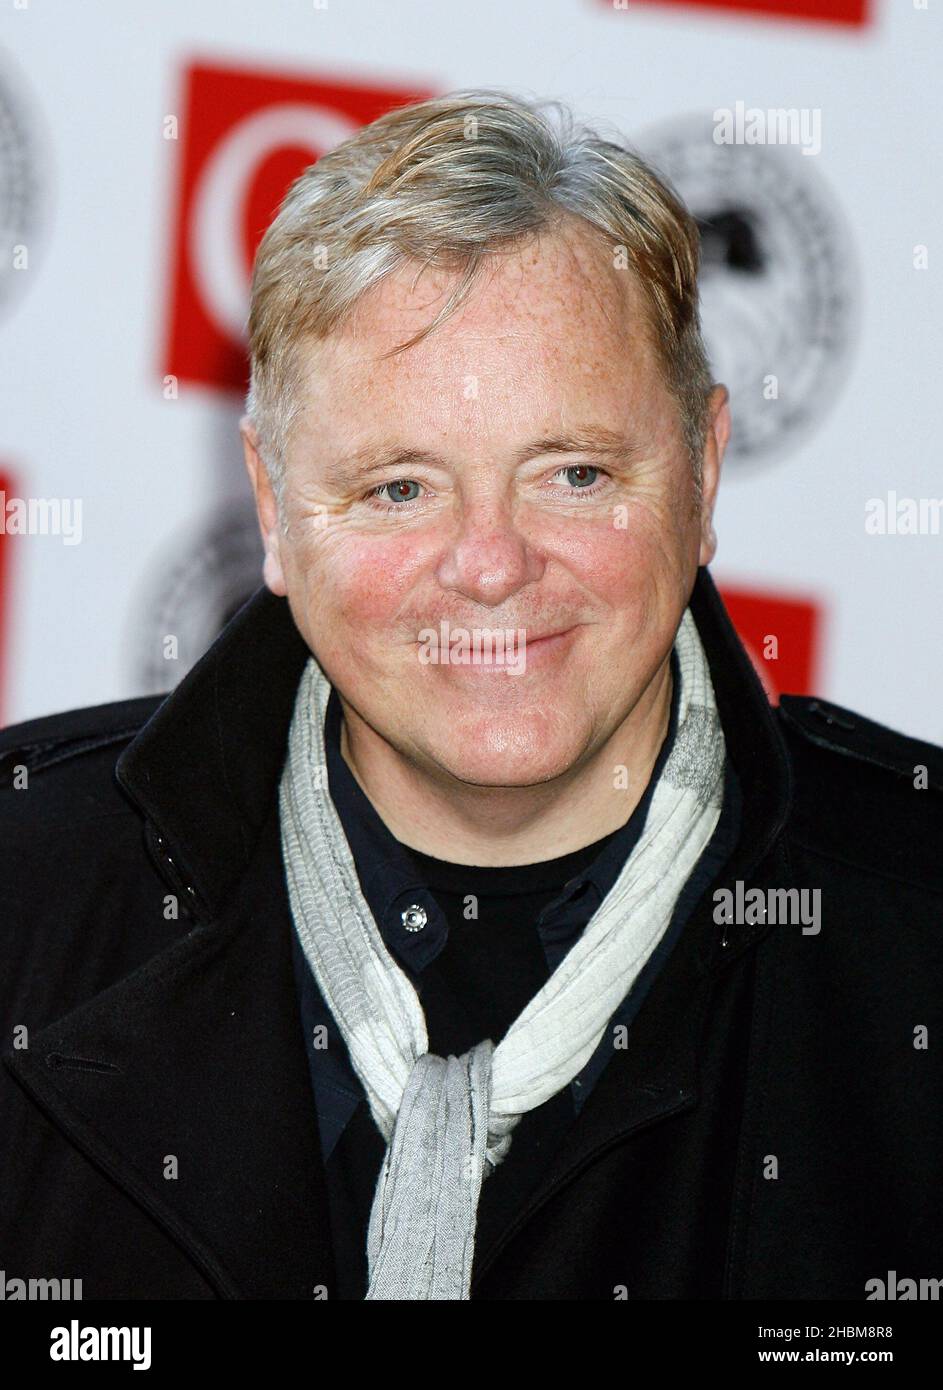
[[531, 641], [510, 651]]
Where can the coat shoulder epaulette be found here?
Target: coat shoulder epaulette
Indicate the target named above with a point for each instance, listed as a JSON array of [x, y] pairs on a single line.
[[846, 733], [53, 738]]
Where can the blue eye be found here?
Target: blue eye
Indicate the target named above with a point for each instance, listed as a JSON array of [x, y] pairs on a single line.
[[589, 480], [399, 484], [580, 468]]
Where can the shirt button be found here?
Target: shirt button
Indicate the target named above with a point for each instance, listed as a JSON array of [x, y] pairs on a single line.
[[414, 918]]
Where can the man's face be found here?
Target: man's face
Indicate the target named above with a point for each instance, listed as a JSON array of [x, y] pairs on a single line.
[[520, 469]]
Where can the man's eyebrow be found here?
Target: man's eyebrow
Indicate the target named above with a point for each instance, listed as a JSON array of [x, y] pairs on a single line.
[[375, 459], [590, 439]]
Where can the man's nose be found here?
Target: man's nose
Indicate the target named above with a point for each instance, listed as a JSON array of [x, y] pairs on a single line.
[[488, 559]]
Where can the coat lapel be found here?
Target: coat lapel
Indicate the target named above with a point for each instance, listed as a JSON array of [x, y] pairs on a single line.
[[652, 1079], [198, 1056]]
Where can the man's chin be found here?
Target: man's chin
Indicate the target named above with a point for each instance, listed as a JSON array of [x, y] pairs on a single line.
[[505, 755]]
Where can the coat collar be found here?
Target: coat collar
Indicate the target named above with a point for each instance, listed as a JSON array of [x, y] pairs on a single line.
[[204, 767], [200, 1053]]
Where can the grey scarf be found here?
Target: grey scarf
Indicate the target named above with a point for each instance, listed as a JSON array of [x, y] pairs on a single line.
[[448, 1122]]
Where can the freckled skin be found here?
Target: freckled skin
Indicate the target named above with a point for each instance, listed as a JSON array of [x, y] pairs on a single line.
[[472, 765]]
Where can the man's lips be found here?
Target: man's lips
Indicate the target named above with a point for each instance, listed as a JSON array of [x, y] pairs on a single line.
[[529, 638], [538, 650], [525, 653], [530, 641]]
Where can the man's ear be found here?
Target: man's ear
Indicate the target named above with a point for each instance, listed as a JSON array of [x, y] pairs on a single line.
[[266, 508], [715, 443]]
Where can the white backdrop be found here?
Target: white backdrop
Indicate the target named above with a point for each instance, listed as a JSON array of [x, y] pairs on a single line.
[[811, 276]]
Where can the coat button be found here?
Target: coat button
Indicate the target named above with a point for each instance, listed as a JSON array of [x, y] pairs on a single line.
[[414, 918], [829, 716]]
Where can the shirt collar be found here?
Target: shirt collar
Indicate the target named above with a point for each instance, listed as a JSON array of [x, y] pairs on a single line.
[[388, 877]]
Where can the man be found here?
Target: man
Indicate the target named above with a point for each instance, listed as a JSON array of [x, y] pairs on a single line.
[[466, 924]]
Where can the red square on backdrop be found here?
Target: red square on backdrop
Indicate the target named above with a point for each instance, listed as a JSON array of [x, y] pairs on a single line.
[[820, 11], [244, 135], [796, 625]]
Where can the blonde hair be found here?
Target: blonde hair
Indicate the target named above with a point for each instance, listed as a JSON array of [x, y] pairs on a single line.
[[446, 182]]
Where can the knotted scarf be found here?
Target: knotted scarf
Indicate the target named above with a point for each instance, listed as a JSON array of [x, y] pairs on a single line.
[[449, 1121]]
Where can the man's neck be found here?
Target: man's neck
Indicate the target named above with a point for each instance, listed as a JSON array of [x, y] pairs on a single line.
[[498, 826]]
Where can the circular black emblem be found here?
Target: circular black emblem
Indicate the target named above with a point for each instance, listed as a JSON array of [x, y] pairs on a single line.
[[778, 278]]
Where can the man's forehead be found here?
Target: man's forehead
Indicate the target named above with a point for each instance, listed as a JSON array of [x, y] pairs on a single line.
[[524, 371], [530, 410], [556, 294]]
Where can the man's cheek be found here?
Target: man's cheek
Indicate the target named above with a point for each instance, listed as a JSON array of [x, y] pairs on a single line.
[[366, 581], [608, 558], [651, 543]]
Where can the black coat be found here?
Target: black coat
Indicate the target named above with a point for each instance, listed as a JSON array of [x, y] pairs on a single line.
[[771, 1130]]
